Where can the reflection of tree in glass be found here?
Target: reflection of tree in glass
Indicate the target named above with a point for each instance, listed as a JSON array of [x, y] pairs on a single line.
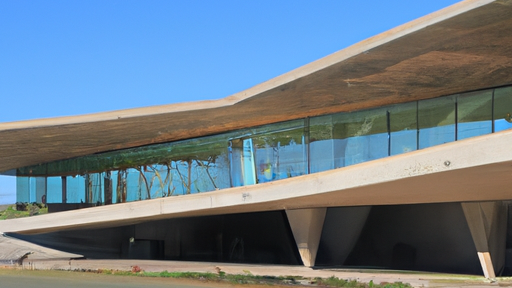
[[143, 177], [121, 186], [207, 169], [200, 166]]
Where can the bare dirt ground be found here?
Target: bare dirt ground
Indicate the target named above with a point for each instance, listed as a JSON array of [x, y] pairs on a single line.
[[63, 279], [416, 279]]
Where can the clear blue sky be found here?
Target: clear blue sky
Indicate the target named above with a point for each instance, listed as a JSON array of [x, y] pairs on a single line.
[[69, 57]]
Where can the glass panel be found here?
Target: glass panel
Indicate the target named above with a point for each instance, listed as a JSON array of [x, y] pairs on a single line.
[[120, 186], [75, 190], [360, 136], [108, 191], [236, 162], [502, 108], [8, 187], [145, 184], [436, 121], [181, 177], [280, 155], [23, 189], [32, 189], [165, 180], [271, 156], [133, 189], [94, 188], [156, 176], [243, 171], [321, 144], [212, 172], [249, 172], [474, 114], [199, 165], [404, 128], [54, 192], [40, 191], [114, 178]]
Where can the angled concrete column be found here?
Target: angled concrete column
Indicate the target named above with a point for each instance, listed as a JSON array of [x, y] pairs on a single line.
[[487, 223], [307, 227]]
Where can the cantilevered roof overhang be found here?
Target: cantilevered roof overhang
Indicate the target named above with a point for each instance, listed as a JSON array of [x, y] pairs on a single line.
[[467, 46]]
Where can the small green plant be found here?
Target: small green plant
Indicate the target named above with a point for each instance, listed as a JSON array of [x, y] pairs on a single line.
[[30, 210], [247, 272]]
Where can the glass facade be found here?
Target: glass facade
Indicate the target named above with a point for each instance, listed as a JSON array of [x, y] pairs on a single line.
[[403, 128], [436, 121], [502, 109], [360, 136], [474, 114], [267, 153]]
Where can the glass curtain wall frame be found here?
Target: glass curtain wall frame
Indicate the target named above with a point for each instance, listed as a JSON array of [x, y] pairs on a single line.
[[403, 126], [185, 171], [280, 155], [23, 189], [321, 143], [190, 166], [474, 114], [31, 189], [436, 121], [360, 136], [242, 163], [54, 184], [267, 153], [502, 109], [75, 189]]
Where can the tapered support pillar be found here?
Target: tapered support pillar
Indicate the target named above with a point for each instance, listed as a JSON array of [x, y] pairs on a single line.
[[487, 223], [307, 227]]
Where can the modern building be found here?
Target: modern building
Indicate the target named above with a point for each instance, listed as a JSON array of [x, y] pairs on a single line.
[[391, 153]]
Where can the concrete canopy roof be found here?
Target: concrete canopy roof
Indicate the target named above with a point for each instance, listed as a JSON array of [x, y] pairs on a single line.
[[464, 47]]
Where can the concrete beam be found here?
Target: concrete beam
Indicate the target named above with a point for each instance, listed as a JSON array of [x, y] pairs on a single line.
[[307, 227]]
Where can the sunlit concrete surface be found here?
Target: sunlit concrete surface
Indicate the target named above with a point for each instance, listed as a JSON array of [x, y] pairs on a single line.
[[13, 251]]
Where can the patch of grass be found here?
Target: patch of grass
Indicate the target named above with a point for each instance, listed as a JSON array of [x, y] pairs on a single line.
[[165, 274], [336, 282], [249, 278], [31, 210]]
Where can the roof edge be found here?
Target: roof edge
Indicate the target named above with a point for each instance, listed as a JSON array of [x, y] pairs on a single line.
[[308, 69]]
